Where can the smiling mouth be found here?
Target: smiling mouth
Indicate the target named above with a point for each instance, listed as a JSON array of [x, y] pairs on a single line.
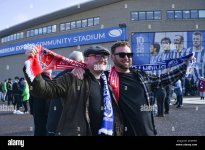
[[125, 62]]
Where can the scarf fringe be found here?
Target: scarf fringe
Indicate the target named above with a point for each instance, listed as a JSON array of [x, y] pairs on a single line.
[[29, 71], [105, 131]]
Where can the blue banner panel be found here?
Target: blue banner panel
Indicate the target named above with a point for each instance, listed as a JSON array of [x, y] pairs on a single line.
[[66, 40], [141, 43], [154, 47]]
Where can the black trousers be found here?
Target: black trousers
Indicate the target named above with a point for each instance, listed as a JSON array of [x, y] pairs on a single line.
[[17, 101], [40, 116], [54, 114], [25, 105]]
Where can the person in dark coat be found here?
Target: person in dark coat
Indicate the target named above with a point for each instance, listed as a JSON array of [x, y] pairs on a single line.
[[56, 106], [39, 110], [161, 95]]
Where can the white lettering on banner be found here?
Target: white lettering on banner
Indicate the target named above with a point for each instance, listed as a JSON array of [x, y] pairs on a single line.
[[7, 50], [20, 47], [89, 37], [54, 42]]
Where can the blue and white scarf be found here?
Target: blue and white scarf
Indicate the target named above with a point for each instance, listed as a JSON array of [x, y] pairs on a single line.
[[108, 117], [162, 64]]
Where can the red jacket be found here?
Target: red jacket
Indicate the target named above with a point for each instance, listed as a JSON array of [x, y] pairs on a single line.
[[201, 85]]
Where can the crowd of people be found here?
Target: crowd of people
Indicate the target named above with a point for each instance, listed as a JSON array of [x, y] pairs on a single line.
[[15, 92]]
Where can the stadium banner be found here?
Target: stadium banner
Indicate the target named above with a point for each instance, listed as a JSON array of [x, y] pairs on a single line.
[[66, 40]]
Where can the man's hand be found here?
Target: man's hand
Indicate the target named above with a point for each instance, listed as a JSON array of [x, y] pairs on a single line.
[[32, 64], [78, 72], [32, 52]]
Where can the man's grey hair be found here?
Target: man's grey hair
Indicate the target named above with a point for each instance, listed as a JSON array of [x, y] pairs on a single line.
[[76, 55]]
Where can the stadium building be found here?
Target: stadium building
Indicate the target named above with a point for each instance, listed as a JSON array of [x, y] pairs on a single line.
[[142, 22]]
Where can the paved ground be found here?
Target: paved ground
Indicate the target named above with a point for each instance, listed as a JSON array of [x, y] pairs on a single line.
[[186, 121]]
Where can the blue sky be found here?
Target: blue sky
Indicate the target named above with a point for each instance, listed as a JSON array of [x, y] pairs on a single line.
[[13, 12]]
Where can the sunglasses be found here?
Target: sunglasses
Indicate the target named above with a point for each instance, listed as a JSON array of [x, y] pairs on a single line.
[[122, 54]]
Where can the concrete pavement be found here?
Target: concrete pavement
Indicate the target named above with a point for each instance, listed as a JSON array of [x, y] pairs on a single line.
[[186, 121]]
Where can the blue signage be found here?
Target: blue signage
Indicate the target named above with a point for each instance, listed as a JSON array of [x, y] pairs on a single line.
[[66, 40], [141, 47]]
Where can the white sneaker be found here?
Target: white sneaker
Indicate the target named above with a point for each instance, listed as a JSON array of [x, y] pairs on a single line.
[[19, 112], [14, 112], [26, 112]]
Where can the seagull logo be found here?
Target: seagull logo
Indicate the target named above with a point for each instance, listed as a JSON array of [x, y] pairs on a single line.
[[115, 33]]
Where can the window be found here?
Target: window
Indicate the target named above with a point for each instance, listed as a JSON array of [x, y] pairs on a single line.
[[78, 24], [150, 15], [21, 35], [8, 38], [17, 36], [201, 13], [170, 14], [40, 31], [186, 14], [96, 21], [62, 27], [157, 15], [49, 29], [84, 23], [73, 25], [142, 16], [32, 32], [36, 32], [178, 14], [134, 16], [44, 30], [90, 22], [28, 33], [53, 28], [194, 14], [14, 36], [68, 26]]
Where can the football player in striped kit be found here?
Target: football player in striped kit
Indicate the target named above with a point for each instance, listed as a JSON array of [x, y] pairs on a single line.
[[167, 53], [180, 51], [199, 53]]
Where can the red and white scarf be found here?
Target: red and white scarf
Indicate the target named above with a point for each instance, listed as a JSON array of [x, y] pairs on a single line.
[[47, 60], [114, 82]]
